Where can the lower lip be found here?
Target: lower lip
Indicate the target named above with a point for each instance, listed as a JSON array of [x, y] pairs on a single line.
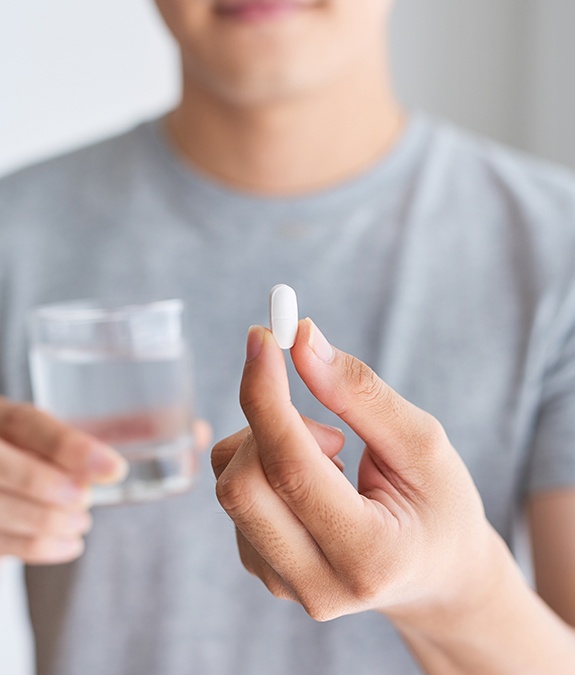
[[259, 11]]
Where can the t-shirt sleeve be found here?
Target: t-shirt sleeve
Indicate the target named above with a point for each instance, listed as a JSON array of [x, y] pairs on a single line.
[[552, 458]]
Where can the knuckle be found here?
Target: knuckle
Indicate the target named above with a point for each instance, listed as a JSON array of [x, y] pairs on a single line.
[[252, 403], [219, 456], [364, 588], [224, 451], [364, 382], [432, 438], [275, 584], [436, 433], [356, 589], [289, 479], [319, 614], [234, 493], [256, 565], [317, 608]]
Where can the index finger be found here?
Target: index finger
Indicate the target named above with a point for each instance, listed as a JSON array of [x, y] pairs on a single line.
[[78, 453], [340, 520]]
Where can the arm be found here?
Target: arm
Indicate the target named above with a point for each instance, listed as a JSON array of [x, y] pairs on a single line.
[[412, 543], [514, 620], [510, 631]]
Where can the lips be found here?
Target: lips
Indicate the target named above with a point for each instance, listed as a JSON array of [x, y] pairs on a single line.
[[253, 10]]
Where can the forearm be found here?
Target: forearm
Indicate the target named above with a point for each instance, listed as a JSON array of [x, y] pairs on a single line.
[[508, 630]]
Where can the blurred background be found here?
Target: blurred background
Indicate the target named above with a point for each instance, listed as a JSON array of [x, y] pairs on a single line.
[[72, 72]]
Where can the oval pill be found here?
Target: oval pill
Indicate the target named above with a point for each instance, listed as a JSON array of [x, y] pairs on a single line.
[[283, 315]]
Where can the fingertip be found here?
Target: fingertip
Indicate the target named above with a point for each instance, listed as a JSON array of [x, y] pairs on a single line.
[[87, 498], [330, 439], [91, 459], [304, 328], [260, 340], [203, 434], [312, 342], [319, 345], [264, 378], [254, 343], [106, 465], [71, 550], [115, 475], [61, 551]]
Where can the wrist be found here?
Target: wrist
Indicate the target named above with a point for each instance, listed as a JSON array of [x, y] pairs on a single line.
[[471, 591], [494, 625]]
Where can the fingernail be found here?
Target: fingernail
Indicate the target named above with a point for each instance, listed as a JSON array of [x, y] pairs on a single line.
[[319, 345], [106, 462], [254, 343]]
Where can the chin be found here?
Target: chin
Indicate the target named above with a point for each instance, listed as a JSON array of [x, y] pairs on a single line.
[[255, 85], [259, 71], [254, 57]]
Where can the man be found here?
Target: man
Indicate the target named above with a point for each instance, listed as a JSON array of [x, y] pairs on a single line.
[[442, 261]]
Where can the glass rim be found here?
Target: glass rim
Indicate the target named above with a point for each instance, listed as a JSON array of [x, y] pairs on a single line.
[[94, 310]]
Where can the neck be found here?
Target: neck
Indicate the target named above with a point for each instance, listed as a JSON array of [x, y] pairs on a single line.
[[294, 146]]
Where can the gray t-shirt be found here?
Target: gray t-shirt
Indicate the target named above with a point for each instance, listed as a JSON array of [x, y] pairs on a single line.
[[449, 267]]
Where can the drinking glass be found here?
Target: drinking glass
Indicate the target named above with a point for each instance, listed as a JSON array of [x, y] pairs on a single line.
[[121, 373]]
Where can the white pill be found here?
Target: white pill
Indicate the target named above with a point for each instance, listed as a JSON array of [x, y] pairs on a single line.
[[283, 315]]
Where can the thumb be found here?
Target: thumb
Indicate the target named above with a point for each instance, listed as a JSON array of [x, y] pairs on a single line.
[[398, 434]]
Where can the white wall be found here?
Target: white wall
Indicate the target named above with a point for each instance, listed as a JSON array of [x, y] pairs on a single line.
[[73, 71], [550, 101], [500, 67]]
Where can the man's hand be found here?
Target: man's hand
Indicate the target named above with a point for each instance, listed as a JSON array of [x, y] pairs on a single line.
[[413, 540], [45, 470]]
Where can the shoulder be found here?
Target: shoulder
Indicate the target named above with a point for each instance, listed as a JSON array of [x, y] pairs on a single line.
[[63, 179], [68, 196], [499, 204], [505, 178]]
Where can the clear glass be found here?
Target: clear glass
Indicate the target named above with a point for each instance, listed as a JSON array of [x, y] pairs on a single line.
[[123, 374]]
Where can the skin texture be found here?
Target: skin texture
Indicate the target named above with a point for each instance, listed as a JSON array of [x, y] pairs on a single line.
[[412, 542]]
